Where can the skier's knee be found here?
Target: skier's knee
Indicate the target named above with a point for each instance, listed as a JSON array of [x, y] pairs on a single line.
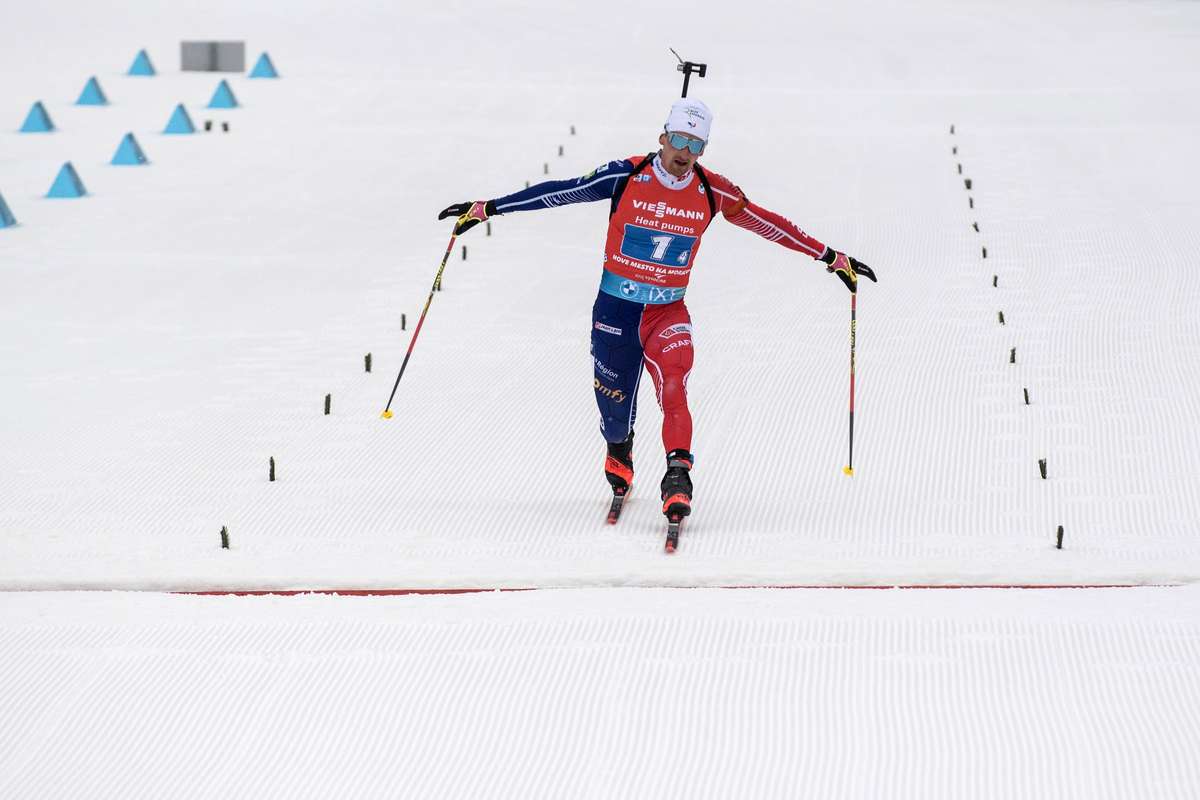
[[674, 395]]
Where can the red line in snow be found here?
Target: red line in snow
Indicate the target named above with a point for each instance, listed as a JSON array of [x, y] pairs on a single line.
[[351, 592], [481, 590], [971, 586]]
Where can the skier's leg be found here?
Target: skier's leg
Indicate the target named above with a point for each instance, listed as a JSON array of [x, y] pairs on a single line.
[[617, 369], [667, 342]]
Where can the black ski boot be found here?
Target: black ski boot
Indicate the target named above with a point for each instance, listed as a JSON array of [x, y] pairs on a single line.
[[618, 467], [677, 485]]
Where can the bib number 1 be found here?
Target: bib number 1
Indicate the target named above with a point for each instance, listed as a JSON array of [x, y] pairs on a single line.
[[654, 246], [661, 243]]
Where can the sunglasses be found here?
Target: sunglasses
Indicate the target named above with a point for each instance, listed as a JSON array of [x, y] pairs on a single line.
[[681, 142]]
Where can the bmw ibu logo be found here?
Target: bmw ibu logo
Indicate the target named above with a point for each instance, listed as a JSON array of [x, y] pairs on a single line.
[[628, 288]]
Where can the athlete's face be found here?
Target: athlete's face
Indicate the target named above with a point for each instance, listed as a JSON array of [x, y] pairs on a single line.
[[677, 160]]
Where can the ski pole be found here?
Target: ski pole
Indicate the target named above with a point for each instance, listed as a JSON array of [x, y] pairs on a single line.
[[437, 281], [849, 468]]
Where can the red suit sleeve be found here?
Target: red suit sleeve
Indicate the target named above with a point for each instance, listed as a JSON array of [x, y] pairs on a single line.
[[737, 208]]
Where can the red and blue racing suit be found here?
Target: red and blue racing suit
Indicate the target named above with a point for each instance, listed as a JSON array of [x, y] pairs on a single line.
[[655, 225]]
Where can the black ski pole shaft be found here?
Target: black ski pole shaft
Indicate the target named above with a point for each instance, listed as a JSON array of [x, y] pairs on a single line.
[[849, 469], [437, 281]]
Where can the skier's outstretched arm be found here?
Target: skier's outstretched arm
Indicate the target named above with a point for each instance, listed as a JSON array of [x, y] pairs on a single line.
[[599, 184], [737, 208]]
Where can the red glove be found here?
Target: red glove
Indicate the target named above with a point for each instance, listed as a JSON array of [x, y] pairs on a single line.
[[469, 214], [847, 268]]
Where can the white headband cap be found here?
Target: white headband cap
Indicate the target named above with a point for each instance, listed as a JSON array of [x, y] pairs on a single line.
[[691, 117]]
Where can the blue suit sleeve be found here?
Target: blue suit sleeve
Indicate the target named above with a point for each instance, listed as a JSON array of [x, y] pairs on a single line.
[[599, 184]]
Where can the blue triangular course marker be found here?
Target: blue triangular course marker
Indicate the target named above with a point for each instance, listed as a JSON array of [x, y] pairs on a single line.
[[38, 121], [67, 184], [141, 65], [129, 153], [264, 68], [7, 220], [92, 94], [223, 97], [180, 121]]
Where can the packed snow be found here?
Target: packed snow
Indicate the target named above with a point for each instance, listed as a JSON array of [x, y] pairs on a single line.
[[165, 336]]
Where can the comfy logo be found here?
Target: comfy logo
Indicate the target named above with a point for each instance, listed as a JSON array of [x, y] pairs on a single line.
[[661, 209], [616, 394]]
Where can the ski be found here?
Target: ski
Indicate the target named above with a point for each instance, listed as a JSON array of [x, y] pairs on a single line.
[[674, 521], [618, 502]]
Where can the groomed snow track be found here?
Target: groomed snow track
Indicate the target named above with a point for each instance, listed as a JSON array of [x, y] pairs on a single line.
[[1021, 177]]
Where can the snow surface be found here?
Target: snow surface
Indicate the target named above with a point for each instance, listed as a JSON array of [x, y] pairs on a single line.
[[604, 693], [164, 337]]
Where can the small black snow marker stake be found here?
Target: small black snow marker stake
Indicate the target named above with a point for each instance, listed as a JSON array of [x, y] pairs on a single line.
[[971, 202], [954, 150], [975, 225], [967, 183], [1001, 313], [560, 150], [208, 124], [985, 252], [951, 130], [224, 538], [403, 321], [1012, 356], [526, 184], [1026, 391], [1042, 467], [572, 130], [225, 127], [995, 280], [328, 400], [1058, 539], [960, 169], [546, 168], [464, 252], [271, 476], [367, 361], [489, 228]]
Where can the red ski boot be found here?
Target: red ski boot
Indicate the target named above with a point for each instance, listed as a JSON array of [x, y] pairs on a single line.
[[618, 469], [677, 484]]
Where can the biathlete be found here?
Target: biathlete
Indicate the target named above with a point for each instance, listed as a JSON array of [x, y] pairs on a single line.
[[660, 206]]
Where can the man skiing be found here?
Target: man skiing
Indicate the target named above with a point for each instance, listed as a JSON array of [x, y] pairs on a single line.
[[660, 206]]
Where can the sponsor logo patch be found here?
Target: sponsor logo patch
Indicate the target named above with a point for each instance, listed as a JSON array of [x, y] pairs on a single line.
[[661, 209], [616, 395], [600, 326], [596, 171], [603, 369], [675, 330], [679, 343]]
